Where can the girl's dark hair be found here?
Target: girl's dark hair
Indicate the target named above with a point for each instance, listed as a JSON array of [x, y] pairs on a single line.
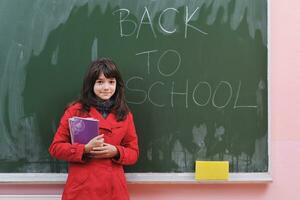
[[109, 70]]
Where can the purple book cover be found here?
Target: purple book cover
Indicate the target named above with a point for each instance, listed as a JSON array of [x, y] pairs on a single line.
[[82, 130]]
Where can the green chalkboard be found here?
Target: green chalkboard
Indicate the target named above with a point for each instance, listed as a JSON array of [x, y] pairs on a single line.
[[195, 72]]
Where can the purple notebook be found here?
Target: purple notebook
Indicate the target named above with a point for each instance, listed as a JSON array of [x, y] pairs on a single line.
[[82, 130]]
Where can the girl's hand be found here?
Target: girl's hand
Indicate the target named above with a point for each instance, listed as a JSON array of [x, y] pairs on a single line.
[[105, 151], [97, 141]]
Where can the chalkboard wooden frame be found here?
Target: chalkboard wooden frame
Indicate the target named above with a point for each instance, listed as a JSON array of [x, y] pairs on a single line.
[[136, 178]]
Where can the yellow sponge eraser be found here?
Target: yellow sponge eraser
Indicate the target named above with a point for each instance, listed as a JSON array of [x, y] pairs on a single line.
[[212, 170]]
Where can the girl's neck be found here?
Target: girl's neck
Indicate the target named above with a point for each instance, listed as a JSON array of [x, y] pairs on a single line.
[[105, 106]]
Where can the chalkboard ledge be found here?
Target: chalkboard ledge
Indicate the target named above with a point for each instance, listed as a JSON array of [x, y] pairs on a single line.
[[135, 178]]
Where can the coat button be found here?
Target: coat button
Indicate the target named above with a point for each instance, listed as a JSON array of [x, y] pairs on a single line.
[[73, 150]]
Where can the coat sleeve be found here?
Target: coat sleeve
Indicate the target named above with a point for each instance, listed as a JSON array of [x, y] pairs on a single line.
[[61, 147], [128, 149]]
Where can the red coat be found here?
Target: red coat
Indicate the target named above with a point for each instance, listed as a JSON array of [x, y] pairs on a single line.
[[96, 179]]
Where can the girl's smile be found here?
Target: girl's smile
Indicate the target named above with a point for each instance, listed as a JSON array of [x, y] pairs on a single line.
[[105, 88]]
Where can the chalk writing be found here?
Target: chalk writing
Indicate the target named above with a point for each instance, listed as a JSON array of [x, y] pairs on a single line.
[[123, 19], [174, 52], [202, 93], [185, 93], [160, 20], [148, 21], [149, 94], [188, 19], [144, 95], [216, 90], [139, 91], [163, 56], [236, 99], [194, 93], [148, 58]]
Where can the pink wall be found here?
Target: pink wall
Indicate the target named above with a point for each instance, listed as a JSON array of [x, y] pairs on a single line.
[[285, 138]]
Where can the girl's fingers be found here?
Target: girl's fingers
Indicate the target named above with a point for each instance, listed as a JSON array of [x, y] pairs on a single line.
[[98, 152], [99, 142], [99, 137], [103, 151], [98, 148]]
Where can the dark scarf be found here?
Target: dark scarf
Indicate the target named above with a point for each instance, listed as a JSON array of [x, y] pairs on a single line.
[[105, 107]]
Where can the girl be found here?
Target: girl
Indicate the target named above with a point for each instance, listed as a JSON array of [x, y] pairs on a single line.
[[96, 168]]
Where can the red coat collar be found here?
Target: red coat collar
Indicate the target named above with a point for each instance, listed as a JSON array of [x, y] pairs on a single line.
[[103, 123]]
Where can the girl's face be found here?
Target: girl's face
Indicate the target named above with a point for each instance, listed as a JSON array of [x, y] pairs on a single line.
[[105, 88]]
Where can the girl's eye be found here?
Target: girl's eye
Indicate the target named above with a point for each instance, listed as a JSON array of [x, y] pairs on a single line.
[[99, 82], [112, 82]]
